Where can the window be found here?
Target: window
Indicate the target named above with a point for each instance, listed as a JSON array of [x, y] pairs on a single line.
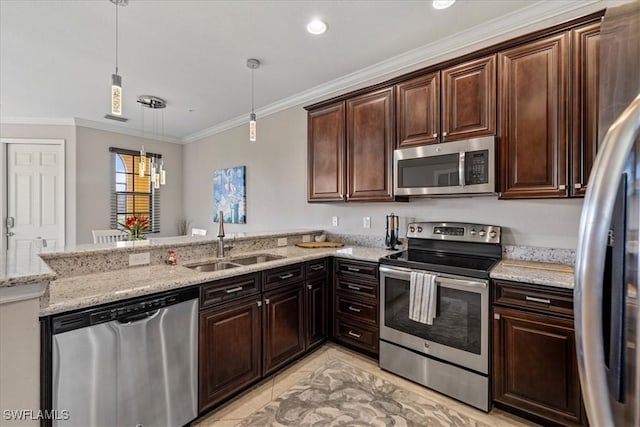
[[133, 194]]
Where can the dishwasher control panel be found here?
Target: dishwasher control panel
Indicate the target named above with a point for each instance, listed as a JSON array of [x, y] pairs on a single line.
[[124, 311]]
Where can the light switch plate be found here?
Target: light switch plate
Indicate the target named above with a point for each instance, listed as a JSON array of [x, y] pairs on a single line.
[[366, 222], [334, 221], [282, 241], [143, 258]]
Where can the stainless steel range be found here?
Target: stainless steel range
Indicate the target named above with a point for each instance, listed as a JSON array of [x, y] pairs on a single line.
[[450, 355]]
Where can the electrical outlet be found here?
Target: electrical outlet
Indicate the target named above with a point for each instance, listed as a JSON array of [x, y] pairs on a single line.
[[143, 258], [334, 221], [306, 238], [282, 241], [366, 222]]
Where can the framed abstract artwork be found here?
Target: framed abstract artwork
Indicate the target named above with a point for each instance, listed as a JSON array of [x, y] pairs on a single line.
[[230, 195]]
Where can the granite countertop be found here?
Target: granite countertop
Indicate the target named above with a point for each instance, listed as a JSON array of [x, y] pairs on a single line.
[[541, 273], [83, 291], [21, 268]]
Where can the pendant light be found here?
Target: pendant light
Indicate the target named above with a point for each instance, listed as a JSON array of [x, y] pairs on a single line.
[[253, 64], [116, 79], [157, 173]]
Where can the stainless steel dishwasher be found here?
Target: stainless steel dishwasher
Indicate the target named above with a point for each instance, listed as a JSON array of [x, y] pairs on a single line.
[[128, 364]]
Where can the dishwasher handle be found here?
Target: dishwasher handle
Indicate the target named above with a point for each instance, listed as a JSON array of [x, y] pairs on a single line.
[[132, 318]]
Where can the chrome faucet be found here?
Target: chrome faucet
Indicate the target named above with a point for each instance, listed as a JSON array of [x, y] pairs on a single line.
[[221, 235]]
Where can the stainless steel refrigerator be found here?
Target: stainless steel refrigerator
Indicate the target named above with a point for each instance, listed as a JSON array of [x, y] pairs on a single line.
[[606, 276]]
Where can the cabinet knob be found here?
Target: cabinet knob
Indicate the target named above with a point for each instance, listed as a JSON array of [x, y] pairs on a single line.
[[496, 316], [562, 187], [577, 186]]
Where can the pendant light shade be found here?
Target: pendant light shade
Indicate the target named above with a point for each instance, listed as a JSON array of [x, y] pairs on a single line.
[[252, 64], [116, 79]]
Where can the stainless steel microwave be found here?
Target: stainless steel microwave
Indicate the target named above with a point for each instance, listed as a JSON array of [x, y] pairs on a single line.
[[459, 167]]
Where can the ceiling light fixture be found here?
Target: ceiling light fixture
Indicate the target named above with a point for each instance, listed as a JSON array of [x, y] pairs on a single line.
[[252, 63], [157, 173], [116, 79], [316, 27], [442, 4]]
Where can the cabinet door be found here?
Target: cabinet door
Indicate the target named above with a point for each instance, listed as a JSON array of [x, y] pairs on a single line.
[[224, 372], [533, 96], [283, 326], [534, 365], [418, 109], [469, 100], [370, 143], [325, 162], [586, 84], [316, 312]]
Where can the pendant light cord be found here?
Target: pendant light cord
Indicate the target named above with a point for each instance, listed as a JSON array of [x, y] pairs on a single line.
[[116, 37], [252, 70]]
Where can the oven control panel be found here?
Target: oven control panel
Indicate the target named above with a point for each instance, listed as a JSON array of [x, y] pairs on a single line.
[[455, 231]]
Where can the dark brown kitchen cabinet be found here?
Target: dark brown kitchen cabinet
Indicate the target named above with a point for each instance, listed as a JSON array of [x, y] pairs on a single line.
[[469, 99], [418, 111], [533, 93], [316, 315], [326, 153], [223, 372], [535, 368], [283, 326], [586, 84], [370, 144]]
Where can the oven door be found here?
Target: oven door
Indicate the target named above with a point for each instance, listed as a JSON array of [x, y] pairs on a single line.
[[459, 333]]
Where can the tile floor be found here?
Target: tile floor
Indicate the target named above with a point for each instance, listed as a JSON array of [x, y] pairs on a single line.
[[270, 389]]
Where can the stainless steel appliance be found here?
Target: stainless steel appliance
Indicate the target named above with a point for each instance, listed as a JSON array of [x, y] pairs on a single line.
[[128, 364], [452, 354], [459, 167], [606, 276]]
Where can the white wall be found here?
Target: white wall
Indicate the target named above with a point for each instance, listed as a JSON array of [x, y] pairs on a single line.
[[277, 182], [68, 133], [95, 181]]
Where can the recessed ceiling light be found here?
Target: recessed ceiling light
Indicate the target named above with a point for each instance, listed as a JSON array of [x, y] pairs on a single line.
[[316, 27], [442, 4]]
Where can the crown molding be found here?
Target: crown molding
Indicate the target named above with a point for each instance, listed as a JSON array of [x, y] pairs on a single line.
[[49, 121], [122, 130], [520, 22]]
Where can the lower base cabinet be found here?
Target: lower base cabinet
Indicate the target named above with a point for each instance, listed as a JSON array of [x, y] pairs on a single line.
[[316, 299], [230, 354], [535, 370], [283, 326]]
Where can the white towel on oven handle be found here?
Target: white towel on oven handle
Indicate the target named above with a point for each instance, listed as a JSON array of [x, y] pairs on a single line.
[[423, 294]]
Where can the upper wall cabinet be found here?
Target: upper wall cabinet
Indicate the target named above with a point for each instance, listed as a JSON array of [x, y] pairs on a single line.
[[533, 92], [325, 151], [584, 135], [468, 104], [370, 144], [418, 107], [469, 99]]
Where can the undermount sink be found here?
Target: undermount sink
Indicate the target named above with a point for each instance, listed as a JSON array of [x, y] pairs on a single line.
[[214, 266], [255, 259]]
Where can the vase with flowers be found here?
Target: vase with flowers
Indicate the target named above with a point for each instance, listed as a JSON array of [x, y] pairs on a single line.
[[136, 225]]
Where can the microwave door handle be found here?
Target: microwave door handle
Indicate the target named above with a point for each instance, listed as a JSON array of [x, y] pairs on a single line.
[[462, 168]]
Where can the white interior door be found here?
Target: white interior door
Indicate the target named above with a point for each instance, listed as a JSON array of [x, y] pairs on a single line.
[[35, 197]]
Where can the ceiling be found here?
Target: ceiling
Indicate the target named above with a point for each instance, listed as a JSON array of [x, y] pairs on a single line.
[[57, 57]]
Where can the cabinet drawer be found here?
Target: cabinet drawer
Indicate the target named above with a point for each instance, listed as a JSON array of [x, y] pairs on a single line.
[[534, 297], [356, 288], [229, 289], [283, 276], [364, 337], [364, 312], [358, 269], [317, 268]]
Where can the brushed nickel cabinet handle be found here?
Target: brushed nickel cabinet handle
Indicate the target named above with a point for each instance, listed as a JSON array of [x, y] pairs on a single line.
[[354, 269], [317, 267], [353, 334], [354, 309], [562, 187], [286, 276], [540, 300], [355, 288], [232, 290], [577, 186]]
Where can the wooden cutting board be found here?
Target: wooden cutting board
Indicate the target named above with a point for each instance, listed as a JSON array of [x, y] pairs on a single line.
[[309, 245], [540, 266]]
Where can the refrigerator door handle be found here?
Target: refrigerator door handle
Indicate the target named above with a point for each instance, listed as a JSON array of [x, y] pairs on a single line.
[[590, 261]]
